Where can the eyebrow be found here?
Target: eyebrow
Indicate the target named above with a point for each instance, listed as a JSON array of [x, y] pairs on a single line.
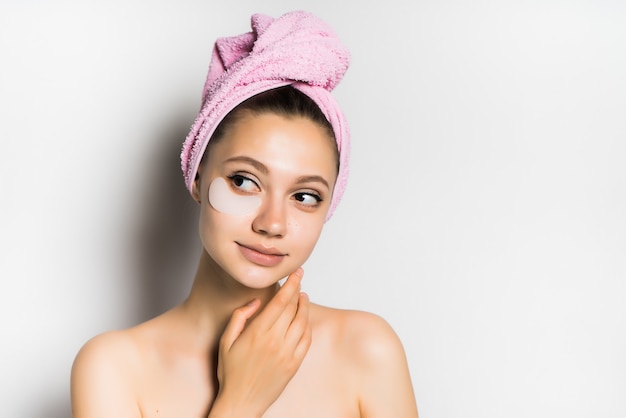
[[263, 169], [256, 164], [308, 179]]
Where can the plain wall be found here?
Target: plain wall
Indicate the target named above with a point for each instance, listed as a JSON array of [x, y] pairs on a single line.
[[484, 217]]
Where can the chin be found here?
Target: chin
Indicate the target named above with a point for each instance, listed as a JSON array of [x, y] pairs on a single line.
[[260, 277]]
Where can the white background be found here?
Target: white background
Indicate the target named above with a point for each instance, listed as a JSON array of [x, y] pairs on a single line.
[[484, 219]]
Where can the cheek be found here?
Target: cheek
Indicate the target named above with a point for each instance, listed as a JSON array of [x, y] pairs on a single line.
[[215, 225], [305, 229], [225, 212], [223, 199]]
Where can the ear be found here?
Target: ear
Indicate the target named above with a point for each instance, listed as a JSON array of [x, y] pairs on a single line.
[[195, 189]]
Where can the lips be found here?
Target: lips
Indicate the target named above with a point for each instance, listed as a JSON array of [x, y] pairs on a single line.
[[266, 257]]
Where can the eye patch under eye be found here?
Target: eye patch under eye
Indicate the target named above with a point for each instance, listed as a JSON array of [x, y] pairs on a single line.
[[225, 200]]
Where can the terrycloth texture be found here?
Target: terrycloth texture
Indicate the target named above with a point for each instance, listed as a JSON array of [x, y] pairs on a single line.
[[295, 49]]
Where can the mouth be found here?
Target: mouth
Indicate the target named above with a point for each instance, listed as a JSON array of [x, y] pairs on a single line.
[[262, 256]]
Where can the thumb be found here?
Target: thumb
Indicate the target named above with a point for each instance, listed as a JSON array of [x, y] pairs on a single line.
[[237, 323]]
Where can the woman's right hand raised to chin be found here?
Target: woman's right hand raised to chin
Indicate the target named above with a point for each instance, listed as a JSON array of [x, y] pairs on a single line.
[[255, 362]]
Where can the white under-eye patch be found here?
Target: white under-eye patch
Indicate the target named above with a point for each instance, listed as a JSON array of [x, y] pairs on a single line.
[[225, 200]]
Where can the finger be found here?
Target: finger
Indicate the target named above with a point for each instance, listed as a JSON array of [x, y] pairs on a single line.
[[306, 334], [300, 321], [237, 323], [303, 346], [285, 295], [282, 323]]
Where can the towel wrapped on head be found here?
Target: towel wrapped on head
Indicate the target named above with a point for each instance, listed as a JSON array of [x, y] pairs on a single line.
[[296, 49]]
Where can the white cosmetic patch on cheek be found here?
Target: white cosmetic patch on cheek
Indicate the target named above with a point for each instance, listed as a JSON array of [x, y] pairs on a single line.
[[224, 200]]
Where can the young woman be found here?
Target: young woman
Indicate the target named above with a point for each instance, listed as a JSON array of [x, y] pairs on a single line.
[[266, 160]]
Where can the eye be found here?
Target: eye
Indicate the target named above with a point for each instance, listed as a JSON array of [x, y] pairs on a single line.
[[243, 183], [308, 199]]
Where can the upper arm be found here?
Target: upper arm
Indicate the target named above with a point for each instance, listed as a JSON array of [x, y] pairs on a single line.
[[385, 388], [101, 381]]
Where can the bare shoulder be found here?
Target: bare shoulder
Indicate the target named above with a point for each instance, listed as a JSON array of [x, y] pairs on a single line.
[[110, 350], [375, 356], [363, 337], [102, 376]]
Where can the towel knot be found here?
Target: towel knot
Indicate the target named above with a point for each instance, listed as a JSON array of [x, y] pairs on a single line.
[[297, 46]]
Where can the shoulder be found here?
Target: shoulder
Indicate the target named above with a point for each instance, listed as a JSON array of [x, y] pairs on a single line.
[[365, 332], [102, 376], [364, 337], [110, 349], [375, 358]]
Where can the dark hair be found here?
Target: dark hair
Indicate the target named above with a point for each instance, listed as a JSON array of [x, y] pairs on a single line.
[[283, 101]]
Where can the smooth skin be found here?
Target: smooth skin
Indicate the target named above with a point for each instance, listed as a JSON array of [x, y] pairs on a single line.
[[241, 345]]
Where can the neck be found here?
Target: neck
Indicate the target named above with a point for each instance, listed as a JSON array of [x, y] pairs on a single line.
[[215, 295]]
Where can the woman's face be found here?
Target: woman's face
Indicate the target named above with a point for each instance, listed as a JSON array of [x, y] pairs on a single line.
[[264, 189]]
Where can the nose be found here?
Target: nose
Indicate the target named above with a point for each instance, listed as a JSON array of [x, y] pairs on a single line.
[[271, 219]]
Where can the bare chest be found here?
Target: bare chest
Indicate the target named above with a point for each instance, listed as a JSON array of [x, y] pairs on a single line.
[[322, 387]]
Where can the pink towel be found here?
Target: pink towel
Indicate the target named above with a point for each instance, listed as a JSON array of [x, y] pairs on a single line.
[[296, 49]]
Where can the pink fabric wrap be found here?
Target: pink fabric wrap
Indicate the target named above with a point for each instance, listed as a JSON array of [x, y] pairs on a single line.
[[296, 49]]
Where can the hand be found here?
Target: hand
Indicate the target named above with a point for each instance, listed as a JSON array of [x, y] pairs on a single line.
[[256, 362]]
